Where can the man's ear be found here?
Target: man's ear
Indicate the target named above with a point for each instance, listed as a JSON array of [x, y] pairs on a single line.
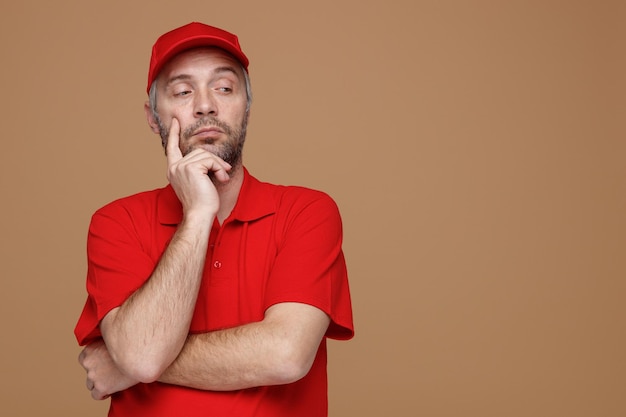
[[152, 122]]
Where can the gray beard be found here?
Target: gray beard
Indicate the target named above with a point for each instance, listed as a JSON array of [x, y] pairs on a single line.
[[230, 151]]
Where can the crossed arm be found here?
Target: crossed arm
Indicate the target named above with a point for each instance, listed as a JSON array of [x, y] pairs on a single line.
[[278, 350]]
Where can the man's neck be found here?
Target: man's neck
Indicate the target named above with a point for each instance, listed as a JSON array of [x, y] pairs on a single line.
[[229, 192]]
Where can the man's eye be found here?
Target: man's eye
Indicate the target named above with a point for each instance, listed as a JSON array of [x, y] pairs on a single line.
[[183, 93], [225, 89]]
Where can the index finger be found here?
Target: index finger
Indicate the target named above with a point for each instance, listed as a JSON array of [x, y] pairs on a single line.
[[172, 150]]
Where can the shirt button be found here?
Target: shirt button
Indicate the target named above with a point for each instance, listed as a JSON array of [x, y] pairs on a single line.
[[217, 264]]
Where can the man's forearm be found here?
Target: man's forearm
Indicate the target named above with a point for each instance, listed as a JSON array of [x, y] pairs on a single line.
[[148, 331], [278, 350]]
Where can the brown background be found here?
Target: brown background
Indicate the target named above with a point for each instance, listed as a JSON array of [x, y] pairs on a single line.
[[476, 150]]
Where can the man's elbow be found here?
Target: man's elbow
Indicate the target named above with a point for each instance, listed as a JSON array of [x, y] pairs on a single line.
[[146, 373], [141, 367], [292, 364]]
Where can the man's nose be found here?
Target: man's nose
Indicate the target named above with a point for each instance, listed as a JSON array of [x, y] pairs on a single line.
[[205, 104]]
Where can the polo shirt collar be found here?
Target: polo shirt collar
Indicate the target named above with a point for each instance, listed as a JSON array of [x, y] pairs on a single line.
[[254, 202]]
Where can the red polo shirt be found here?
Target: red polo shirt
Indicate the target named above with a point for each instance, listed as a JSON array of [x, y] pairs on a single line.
[[280, 244]]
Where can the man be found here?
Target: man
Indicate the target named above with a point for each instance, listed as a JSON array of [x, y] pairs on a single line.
[[213, 296]]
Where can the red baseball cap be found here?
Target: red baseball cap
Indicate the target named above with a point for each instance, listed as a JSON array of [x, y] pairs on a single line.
[[192, 35]]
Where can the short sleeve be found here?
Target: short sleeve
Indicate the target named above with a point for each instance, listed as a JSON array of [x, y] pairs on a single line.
[[117, 265], [310, 266]]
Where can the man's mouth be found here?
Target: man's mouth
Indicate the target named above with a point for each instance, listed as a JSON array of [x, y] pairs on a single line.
[[207, 134]]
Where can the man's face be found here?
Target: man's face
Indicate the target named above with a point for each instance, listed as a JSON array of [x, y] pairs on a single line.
[[205, 90]]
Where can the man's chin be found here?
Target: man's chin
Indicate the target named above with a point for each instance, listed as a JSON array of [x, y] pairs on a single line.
[[209, 147]]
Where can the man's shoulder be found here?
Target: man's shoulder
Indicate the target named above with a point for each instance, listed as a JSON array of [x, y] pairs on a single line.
[[297, 203], [288, 195], [141, 201]]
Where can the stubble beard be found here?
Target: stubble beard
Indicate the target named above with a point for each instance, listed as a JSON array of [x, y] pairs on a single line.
[[230, 150]]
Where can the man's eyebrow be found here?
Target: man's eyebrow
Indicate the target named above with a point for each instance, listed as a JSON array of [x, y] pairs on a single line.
[[180, 77], [220, 70], [186, 77]]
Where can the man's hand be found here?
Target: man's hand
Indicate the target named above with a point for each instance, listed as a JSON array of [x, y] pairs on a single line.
[[103, 376], [189, 174]]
